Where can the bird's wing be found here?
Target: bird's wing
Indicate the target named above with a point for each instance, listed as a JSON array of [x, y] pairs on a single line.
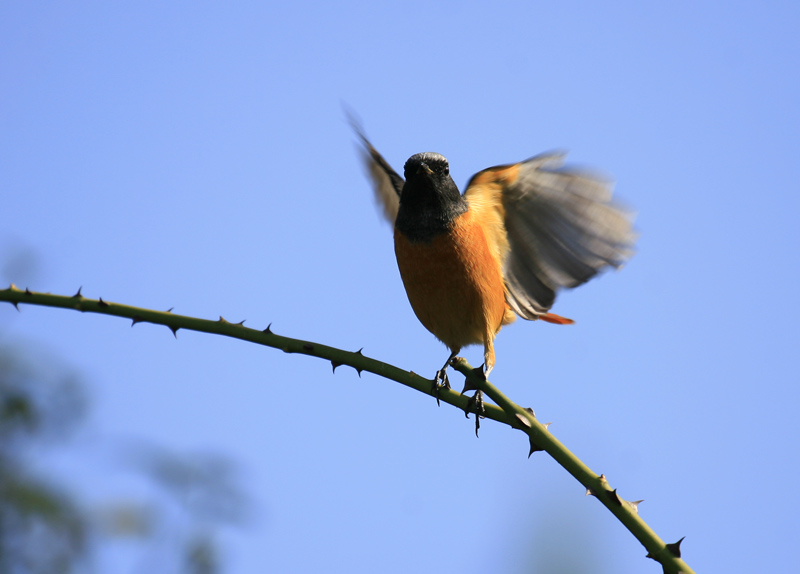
[[559, 227], [386, 182]]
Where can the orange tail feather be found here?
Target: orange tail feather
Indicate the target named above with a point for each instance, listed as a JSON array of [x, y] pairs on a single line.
[[556, 319]]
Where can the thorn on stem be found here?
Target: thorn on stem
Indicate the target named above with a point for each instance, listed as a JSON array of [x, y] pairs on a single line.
[[136, 319], [78, 294], [523, 420], [268, 331], [334, 364], [468, 384], [174, 330], [603, 482], [534, 446], [675, 548], [101, 303]]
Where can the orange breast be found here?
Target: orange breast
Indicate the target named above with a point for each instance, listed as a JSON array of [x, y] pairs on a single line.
[[454, 283]]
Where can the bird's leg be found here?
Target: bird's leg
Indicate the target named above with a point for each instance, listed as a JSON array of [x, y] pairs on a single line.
[[441, 377]]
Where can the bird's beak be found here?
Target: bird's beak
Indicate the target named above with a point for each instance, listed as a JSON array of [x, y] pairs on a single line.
[[424, 167]]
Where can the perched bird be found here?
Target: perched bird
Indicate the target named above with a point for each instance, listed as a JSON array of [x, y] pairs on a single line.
[[520, 232]]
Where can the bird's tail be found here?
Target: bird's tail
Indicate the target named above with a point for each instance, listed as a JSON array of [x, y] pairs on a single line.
[[556, 319]]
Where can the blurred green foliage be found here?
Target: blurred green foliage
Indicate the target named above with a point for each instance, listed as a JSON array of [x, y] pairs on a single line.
[[46, 527]]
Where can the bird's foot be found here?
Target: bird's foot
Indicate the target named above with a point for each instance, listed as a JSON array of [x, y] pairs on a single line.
[[475, 405], [440, 381]]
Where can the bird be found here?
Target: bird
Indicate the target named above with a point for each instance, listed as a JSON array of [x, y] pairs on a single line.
[[472, 263]]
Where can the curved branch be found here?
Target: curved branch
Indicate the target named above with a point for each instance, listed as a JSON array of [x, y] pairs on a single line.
[[507, 412]]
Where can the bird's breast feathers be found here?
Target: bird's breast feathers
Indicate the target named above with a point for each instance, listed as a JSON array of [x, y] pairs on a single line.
[[454, 281]]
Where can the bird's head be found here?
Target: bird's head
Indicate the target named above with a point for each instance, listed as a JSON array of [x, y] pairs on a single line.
[[430, 173]]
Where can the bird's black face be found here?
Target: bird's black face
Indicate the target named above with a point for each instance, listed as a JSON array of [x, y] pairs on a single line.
[[430, 199], [429, 173], [426, 167]]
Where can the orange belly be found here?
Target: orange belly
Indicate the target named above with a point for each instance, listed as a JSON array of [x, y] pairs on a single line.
[[454, 284]]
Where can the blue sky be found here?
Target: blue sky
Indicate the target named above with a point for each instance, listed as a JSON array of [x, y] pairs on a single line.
[[197, 157]]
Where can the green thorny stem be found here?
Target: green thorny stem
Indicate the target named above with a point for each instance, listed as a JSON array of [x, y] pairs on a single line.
[[507, 412]]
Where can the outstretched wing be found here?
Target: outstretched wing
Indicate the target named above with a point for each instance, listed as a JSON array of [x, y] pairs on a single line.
[[559, 228], [386, 182]]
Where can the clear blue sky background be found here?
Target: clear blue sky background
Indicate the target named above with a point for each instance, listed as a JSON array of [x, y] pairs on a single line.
[[196, 156]]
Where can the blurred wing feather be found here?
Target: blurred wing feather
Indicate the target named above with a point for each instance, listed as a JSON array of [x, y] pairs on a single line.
[[386, 183]]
